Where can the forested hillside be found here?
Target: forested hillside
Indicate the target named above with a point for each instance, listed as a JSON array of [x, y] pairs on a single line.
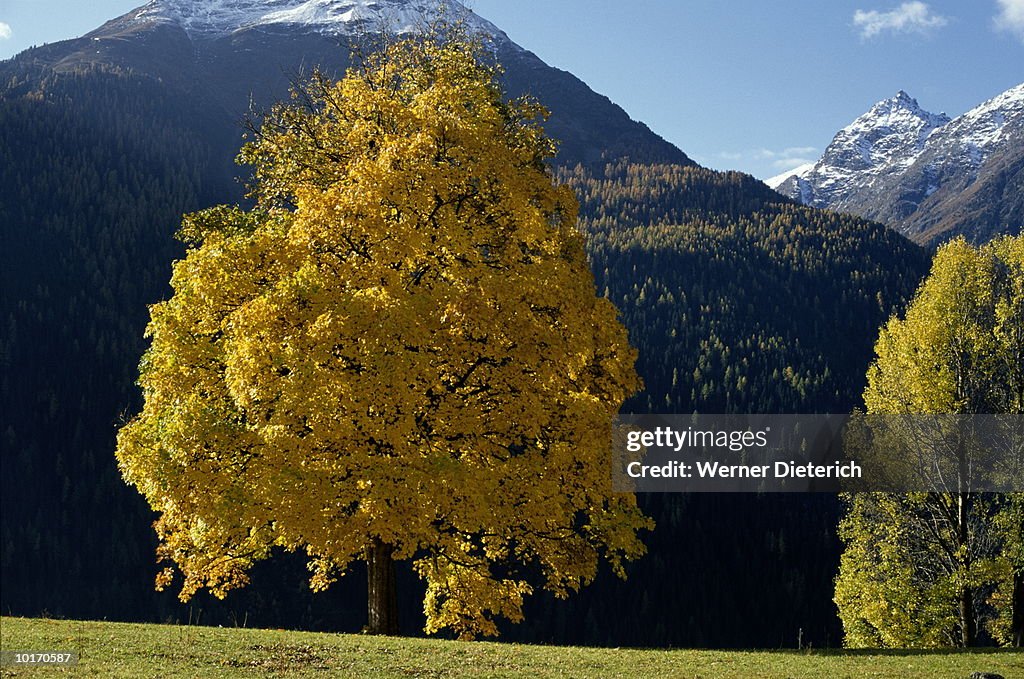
[[740, 301], [737, 300], [95, 170]]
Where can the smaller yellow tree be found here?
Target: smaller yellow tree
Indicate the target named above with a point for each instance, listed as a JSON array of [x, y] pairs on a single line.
[[398, 354], [918, 569]]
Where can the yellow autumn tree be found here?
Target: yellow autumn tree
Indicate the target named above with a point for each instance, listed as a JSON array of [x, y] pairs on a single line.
[[932, 569], [397, 354]]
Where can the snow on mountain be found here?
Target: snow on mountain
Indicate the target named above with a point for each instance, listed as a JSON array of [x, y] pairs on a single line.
[[892, 132], [247, 54], [914, 170], [214, 18], [886, 139], [799, 171], [972, 137]]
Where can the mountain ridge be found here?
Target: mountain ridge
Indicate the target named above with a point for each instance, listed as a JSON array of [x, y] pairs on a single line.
[[209, 18], [159, 41], [926, 175]]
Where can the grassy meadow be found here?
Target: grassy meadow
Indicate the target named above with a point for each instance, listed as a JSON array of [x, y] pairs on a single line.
[[109, 649]]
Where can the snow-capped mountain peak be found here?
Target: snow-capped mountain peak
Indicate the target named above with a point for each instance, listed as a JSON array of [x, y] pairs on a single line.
[[887, 138], [916, 170], [899, 114], [890, 135], [985, 126], [212, 18], [892, 132]]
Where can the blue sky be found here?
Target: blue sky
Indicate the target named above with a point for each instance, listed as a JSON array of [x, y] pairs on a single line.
[[746, 85]]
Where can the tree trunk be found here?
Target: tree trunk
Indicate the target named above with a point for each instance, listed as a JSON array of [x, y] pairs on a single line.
[[1017, 621], [968, 629], [967, 626], [382, 596]]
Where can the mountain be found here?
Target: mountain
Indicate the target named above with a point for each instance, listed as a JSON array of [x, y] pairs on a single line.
[[234, 53], [925, 175], [879, 144], [217, 18], [737, 299]]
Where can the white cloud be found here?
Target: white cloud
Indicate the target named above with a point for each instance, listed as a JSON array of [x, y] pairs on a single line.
[[783, 164], [910, 17], [794, 156], [786, 158], [1011, 17], [763, 154], [779, 160], [5, 31]]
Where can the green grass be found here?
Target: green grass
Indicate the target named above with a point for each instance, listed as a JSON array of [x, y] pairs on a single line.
[[129, 650]]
